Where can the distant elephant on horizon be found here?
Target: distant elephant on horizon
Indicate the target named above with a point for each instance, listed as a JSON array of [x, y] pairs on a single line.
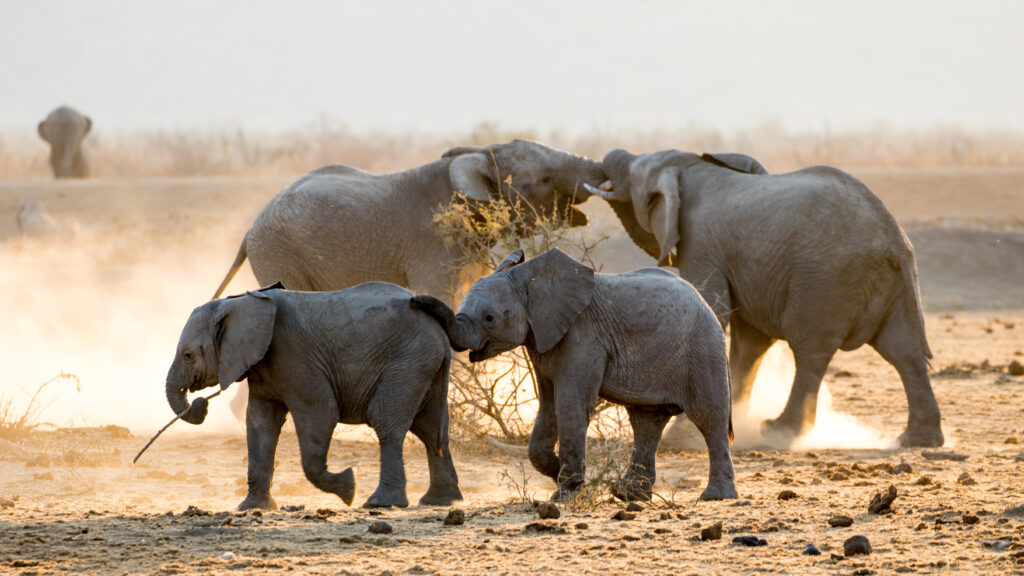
[[338, 226], [811, 257], [64, 129]]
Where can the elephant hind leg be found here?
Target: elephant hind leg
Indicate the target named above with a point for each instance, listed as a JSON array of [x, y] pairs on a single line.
[[707, 405], [431, 427], [898, 342], [314, 426], [638, 482]]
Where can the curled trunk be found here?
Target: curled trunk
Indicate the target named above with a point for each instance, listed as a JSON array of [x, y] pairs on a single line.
[[177, 397]]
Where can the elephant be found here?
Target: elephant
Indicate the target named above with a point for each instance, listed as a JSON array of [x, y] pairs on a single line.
[[64, 129], [810, 257], [644, 340], [356, 356], [339, 226]]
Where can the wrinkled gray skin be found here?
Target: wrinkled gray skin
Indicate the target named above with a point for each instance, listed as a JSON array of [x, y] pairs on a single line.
[[644, 340], [338, 226], [65, 129], [357, 356], [811, 257]]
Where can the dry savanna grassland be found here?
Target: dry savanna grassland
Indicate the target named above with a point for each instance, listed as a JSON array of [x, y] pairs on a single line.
[[94, 309]]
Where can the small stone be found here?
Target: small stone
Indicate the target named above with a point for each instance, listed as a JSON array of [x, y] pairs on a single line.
[[380, 527], [811, 550], [863, 572], [855, 545], [969, 519], [623, 515], [742, 503], [1011, 440], [713, 532], [836, 557], [750, 541], [455, 517], [1017, 511], [944, 455], [1015, 368], [293, 508], [966, 480], [902, 468], [634, 507], [923, 481], [228, 556], [997, 545], [787, 495], [546, 527], [843, 374], [582, 526], [882, 501], [548, 511], [840, 521], [662, 531]]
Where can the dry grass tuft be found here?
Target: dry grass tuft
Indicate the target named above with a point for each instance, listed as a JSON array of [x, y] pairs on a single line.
[[18, 424]]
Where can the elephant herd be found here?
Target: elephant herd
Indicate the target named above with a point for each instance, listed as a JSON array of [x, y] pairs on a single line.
[[810, 257]]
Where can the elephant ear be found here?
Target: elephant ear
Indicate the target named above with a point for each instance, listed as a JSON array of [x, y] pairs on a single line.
[[43, 130], [558, 289], [737, 162], [657, 210], [245, 327], [513, 259], [87, 124], [471, 174]]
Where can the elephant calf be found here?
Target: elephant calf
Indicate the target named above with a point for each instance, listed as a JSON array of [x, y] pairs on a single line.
[[645, 340], [357, 356]]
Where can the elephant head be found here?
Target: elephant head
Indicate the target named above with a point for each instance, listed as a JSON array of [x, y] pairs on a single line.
[[531, 303], [646, 193], [549, 181], [65, 129], [221, 341]]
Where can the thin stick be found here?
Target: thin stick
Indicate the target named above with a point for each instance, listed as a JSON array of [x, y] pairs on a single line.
[[166, 426]]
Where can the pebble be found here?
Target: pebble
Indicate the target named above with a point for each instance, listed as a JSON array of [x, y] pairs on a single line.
[[855, 545], [1015, 368], [742, 503], [966, 480], [882, 501], [811, 550], [713, 532], [750, 541], [623, 515], [840, 521], [634, 507], [293, 508], [943, 455], [998, 545], [228, 556], [548, 511], [455, 517], [969, 519], [902, 468], [787, 495], [380, 527], [582, 526]]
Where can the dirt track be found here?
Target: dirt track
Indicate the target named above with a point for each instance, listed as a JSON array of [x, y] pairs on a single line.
[[83, 508]]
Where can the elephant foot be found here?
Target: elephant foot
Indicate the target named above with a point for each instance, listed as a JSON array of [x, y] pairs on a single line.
[[441, 497], [632, 488], [263, 502], [385, 498], [720, 490], [346, 486], [563, 495], [922, 436], [780, 433]]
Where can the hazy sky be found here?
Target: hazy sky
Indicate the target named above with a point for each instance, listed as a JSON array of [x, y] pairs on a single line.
[[576, 65]]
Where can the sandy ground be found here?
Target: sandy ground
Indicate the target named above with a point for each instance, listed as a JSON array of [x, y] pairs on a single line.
[[70, 501]]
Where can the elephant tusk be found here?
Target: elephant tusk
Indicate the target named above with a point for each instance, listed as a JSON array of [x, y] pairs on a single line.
[[606, 194], [606, 186]]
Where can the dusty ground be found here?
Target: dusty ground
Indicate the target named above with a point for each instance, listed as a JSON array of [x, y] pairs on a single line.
[[71, 502]]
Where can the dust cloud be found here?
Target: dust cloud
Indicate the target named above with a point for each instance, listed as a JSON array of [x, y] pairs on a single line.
[[832, 429], [106, 306]]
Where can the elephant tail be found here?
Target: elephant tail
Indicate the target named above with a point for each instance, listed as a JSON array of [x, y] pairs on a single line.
[[441, 312], [239, 260], [442, 428]]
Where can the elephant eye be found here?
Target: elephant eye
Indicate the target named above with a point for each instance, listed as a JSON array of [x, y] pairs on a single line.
[[489, 318], [186, 356], [547, 180]]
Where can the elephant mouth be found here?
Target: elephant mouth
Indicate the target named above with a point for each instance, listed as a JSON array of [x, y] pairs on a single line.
[[487, 351]]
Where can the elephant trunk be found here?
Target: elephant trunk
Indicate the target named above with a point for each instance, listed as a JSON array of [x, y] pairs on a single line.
[[616, 165], [585, 172], [178, 400]]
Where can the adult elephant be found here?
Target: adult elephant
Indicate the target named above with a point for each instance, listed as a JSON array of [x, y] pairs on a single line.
[[64, 129], [810, 257], [338, 226]]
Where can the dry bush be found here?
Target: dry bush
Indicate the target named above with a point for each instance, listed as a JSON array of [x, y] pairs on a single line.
[[499, 396], [237, 152], [17, 424]]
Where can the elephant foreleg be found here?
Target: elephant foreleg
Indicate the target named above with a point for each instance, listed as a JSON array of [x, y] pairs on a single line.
[[801, 409], [263, 421], [314, 427], [545, 433], [747, 347], [576, 393], [638, 482]]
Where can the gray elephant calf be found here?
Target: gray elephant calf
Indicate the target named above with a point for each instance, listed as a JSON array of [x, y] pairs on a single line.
[[64, 129], [645, 340], [357, 356]]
